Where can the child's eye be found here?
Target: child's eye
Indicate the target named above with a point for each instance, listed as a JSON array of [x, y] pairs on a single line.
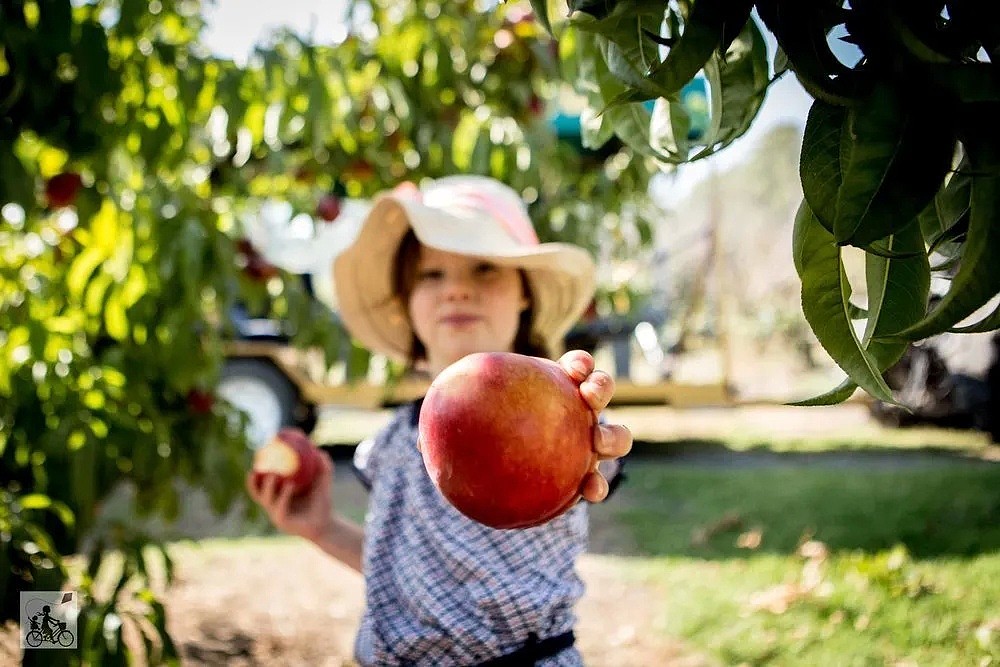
[[430, 274], [485, 268]]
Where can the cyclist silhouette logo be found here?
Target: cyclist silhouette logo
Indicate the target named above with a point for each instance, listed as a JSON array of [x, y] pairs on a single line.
[[48, 619]]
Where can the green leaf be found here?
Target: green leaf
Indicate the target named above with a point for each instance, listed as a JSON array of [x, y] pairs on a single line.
[[624, 42], [780, 62], [17, 185], [819, 160], [596, 8], [104, 228], [39, 501], [826, 296], [971, 83], [738, 80], [541, 9], [954, 198], [632, 125], [883, 247], [81, 270], [897, 293], [464, 141], [978, 277], [115, 319], [836, 395], [130, 15], [83, 482], [35, 501], [951, 236], [893, 159], [669, 125], [856, 312], [711, 25], [97, 291], [56, 23], [989, 323], [595, 130]]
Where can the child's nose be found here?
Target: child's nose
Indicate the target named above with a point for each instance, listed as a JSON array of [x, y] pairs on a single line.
[[458, 287]]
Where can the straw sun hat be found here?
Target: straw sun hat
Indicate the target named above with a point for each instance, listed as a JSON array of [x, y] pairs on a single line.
[[467, 215]]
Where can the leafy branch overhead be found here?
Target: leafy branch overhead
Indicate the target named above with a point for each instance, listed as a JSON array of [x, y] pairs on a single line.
[[900, 158], [132, 162]]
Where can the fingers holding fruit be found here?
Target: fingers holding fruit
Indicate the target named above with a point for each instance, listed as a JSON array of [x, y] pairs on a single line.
[[596, 387], [597, 390], [577, 364], [612, 441], [594, 488]]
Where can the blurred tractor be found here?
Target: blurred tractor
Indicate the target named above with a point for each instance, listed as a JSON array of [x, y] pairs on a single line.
[[950, 381]]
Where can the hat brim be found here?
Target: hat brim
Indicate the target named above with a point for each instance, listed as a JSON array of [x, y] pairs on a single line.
[[561, 276]]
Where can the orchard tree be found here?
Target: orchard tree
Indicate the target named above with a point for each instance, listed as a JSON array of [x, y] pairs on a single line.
[[129, 158], [901, 154]]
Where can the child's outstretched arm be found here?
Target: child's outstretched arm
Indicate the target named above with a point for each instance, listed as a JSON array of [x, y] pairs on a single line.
[[311, 515], [611, 441]]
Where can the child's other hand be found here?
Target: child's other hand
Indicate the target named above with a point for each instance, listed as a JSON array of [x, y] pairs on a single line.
[[611, 441], [308, 515]]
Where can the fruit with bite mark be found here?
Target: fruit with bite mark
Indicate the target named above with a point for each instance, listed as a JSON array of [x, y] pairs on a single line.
[[291, 457]]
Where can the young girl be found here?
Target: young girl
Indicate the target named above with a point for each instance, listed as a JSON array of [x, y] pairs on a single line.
[[433, 275]]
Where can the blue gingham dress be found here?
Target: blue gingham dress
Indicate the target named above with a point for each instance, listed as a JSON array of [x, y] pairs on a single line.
[[444, 590]]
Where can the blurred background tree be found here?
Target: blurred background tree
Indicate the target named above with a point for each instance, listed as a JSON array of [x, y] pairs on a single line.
[[130, 159]]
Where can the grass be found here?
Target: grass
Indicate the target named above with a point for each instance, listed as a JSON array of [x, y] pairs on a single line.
[[901, 565], [947, 509]]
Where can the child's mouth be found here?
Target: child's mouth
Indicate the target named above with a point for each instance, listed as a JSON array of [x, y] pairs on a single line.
[[459, 320]]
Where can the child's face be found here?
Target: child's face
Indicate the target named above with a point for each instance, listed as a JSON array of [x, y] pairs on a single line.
[[461, 305]]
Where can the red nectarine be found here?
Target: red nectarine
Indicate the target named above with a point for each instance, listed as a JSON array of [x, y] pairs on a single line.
[[328, 208], [291, 457], [507, 438], [61, 189], [200, 402]]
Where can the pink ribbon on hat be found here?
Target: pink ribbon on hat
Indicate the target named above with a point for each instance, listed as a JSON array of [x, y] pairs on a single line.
[[508, 213]]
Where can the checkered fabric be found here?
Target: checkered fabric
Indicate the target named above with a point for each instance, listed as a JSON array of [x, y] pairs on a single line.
[[444, 590]]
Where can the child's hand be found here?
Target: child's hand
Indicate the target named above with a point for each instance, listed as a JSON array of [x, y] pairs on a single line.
[[611, 441], [309, 515]]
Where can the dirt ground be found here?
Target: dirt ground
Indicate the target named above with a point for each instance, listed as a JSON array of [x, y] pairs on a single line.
[[288, 604]]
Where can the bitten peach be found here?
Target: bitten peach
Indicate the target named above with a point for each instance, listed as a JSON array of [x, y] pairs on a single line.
[[291, 457]]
